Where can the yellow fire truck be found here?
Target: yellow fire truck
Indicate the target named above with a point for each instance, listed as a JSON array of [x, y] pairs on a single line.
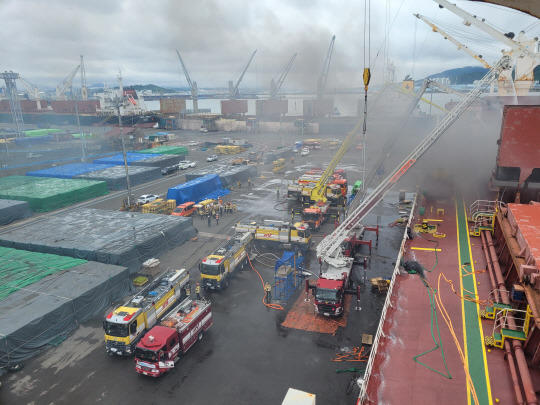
[[127, 324], [277, 233], [217, 268]]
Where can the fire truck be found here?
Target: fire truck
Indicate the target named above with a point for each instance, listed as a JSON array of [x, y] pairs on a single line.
[[217, 268], [331, 288], [160, 349], [277, 233], [125, 326], [316, 214]]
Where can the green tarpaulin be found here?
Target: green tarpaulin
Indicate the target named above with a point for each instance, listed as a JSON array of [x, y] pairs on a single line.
[[166, 150]]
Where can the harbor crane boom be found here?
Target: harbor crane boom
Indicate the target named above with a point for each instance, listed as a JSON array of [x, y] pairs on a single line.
[[84, 89], [32, 89], [192, 86], [233, 90], [329, 249], [321, 84], [276, 86], [61, 89]]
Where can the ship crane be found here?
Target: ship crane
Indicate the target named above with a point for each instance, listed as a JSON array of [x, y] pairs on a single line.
[[233, 89], [67, 83], [32, 89], [276, 86], [192, 86], [459, 45], [524, 52], [329, 249], [84, 89], [321, 84]]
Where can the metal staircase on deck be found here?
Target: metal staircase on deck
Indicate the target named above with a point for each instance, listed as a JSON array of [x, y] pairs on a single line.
[[482, 214], [501, 330]]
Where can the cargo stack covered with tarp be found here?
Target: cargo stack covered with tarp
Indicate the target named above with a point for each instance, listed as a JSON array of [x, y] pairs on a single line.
[[229, 176], [115, 176], [47, 194], [113, 237], [197, 189], [277, 154], [68, 171], [43, 297], [166, 150], [11, 210], [160, 161], [132, 159]]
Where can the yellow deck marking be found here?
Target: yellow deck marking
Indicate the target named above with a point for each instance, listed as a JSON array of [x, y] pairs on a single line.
[[430, 249]]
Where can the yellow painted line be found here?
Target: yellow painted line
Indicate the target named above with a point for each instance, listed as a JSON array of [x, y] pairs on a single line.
[[430, 249], [434, 220], [488, 382]]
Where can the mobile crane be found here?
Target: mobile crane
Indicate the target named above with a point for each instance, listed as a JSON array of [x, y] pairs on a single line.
[[336, 277]]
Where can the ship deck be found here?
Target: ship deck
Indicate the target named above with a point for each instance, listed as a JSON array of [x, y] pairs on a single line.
[[432, 349]]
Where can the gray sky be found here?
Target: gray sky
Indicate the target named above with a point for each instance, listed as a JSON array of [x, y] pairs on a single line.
[[43, 40]]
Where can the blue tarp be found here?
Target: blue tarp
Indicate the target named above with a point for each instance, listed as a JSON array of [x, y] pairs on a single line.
[[68, 171], [118, 160], [288, 258], [195, 190], [214, 195]]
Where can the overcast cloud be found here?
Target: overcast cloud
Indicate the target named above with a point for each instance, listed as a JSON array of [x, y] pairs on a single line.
[[43, 40]]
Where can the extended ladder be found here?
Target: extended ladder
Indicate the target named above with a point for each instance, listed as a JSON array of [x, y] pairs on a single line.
[[329, 249]]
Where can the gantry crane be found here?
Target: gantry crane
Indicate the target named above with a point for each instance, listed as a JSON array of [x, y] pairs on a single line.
[[329, 249], [276, 86], [14, 104], [67, 83], [192, 86], [84, 89], [233, 89], [32, 89], [321, 84]]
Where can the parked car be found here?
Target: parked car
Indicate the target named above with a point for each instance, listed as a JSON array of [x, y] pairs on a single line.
[[212, 158], [193, 143], [146, 198], [169, 170], [184, 210], [304, 152], [203, 129], [186, 165]]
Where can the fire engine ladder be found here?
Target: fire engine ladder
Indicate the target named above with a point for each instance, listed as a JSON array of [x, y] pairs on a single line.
[[329, 248], [318, 193], [482, 214]]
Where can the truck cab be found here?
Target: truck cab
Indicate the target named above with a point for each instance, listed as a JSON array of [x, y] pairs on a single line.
[[184, 210]]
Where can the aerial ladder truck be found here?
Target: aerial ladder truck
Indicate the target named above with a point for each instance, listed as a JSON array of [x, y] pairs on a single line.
[[192, 86], [335, 278]]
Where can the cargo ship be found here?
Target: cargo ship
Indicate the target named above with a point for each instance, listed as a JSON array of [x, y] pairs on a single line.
[[461, 319]]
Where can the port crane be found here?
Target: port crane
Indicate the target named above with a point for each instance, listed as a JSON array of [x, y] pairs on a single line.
[[233, 89], [276, 86], [67, 83], [84, 89], [329, 249], [321, 84], [192, 86], [32, 89], [14, 103]]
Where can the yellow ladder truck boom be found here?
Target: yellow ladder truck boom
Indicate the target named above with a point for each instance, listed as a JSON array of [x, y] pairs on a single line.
[[128, 323]]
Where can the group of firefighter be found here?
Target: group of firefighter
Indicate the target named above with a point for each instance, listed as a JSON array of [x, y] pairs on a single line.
[[215, 210]]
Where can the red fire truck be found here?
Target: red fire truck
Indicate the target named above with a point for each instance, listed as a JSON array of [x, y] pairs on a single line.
[[160, 349]]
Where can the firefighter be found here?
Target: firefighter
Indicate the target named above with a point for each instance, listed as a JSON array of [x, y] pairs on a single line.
[[209, 220], [239, 184], [268, 289], [221, 209], [198, 291], [278, 192], [217, 218], [188, 290], [292, 159], [249, 183]]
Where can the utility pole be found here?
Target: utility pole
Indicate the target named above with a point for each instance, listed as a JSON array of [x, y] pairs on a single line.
[[118, 104]]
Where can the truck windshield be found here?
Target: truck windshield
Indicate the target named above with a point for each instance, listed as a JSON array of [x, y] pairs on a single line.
[[144, 354], [116, 329], [211, 269], [324, 294], [306, 233], [310, 217], [178, 209]]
